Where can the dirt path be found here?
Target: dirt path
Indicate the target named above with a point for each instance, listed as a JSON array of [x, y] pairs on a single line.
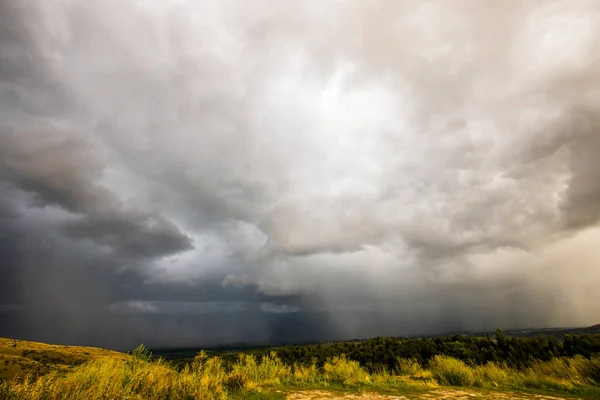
[[447, 394]]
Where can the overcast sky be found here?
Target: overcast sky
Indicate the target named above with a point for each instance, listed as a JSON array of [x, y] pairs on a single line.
[[194, 172]]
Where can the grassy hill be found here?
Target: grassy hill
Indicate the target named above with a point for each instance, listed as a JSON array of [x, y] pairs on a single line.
[[38, 371], [19, 358]]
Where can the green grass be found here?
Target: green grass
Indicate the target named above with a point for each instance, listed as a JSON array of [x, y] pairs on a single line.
[[85, 373]]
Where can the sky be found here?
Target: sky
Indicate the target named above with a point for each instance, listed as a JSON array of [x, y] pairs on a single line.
[[192, 173]]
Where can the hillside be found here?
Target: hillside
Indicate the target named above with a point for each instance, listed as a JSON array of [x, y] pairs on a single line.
[[558, 333], [19, 358], [72, 372]]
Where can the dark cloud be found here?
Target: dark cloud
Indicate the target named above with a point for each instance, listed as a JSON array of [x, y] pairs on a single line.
[[251, 171], [133, 235]]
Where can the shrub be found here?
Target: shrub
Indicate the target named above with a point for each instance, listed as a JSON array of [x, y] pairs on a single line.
[[530, 380], [340, 370], [142, 353], [450, 371], [590, 369], [204, 375], [248, 374], [408, 367], [306, 373], [271, 370], [560, 368], [491, 374]]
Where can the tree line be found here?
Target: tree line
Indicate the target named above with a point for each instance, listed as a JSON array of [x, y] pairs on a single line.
[[375, 354]]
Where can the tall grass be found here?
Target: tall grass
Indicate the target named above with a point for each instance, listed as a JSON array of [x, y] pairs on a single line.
[[249, 374], [450, 371], [141, 377], [342, 371], [306, 374], [558, 374]]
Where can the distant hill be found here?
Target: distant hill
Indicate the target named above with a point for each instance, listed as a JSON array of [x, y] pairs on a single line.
[[558, 333], [19, 357]]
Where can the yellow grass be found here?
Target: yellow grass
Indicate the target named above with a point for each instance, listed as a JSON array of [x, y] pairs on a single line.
[[19, 358], [87, 373]]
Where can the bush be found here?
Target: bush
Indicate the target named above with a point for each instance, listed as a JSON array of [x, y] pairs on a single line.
[[408, 367], [492, 374], [560, 368], [340, 370], [590, 369], [204, 375], [247, 373], [271, 370], [306, 373], [450, 371], [530, 380]]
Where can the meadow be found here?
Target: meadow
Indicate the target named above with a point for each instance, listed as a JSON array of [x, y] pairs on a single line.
[[66, 372]]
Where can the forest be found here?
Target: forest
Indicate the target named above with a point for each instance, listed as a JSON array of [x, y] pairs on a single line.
[[387, 353]]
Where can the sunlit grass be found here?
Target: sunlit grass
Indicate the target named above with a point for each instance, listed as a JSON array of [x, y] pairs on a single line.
[[138, 376], [19, 358]]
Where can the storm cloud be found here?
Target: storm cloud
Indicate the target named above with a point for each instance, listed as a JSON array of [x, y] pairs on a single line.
[[184, 172]]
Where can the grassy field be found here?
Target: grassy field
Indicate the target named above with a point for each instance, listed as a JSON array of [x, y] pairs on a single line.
[[21, 358], [40, 371]]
